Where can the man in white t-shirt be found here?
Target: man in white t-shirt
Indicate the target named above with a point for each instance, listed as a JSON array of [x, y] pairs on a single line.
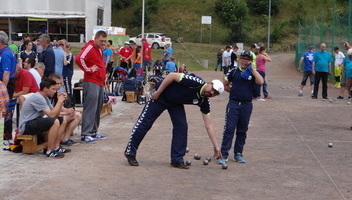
[[29, 64], [226, 59], [339, 59]]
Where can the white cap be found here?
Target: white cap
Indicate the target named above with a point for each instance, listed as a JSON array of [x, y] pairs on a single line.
[[349, 52], [218, 85]]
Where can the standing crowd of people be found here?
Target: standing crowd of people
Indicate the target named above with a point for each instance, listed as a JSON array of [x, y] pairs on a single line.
[[37, 76], [317, 66], [139, 58], [227, 59]]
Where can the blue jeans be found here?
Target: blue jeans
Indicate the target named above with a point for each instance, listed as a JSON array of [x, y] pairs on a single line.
[[237, 118], [258, 87], [265, 88], [146, 65], [218, 63], [137, 65]]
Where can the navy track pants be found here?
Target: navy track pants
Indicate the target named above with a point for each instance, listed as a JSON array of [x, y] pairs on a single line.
[[151, 111], [237, 118]]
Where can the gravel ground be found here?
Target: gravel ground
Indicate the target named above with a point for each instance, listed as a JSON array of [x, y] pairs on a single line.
[[287, 153]]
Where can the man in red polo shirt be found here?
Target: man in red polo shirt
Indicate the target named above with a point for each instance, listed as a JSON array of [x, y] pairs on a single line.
[[125, 55], [25, 82], [147, 54]]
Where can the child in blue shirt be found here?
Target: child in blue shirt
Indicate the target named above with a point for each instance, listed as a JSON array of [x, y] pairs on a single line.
[[240, 83]]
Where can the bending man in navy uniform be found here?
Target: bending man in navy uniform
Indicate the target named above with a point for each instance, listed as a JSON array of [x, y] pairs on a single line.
[[174, 91], [239, 108]]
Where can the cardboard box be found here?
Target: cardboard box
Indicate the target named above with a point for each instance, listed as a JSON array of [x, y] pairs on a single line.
[[131, 96]]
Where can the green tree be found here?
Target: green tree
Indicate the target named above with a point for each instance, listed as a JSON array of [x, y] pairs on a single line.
[[233, 13], [121, 4], [151, 7], [261, 7], [136, 20]]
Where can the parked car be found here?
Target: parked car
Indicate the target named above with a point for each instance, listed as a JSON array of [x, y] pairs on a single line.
[[157, 40]]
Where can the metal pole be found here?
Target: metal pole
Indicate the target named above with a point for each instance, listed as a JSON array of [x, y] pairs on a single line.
[[349, 21], [27, 25], [10, 29], [210, 34], [143, 11], [269, 25], [66, 29], [146, 86], [333, 29], [201, 33]]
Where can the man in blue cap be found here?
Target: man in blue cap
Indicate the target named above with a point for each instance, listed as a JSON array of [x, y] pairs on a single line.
[[240, 83]]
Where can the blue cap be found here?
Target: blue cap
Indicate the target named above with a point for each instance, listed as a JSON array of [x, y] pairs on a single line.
[[247, 53]]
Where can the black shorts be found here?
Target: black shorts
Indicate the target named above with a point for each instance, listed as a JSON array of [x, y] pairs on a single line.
[[40, 125]]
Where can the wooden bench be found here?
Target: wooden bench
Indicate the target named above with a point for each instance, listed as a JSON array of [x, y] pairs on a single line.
[[131, 96], [105, 110], [30, 144]]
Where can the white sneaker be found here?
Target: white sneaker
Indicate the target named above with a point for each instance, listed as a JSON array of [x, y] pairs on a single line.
[[260, 99]]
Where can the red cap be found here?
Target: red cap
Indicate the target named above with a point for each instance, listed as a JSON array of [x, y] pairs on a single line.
[[144, 39]]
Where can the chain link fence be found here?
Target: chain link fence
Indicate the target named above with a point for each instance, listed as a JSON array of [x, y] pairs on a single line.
[[313, 32]]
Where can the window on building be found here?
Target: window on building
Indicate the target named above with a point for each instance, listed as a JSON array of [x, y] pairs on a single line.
[[100, 17]]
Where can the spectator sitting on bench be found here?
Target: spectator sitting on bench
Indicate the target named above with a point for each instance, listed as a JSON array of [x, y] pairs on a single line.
[[71, 117], [34, 122]]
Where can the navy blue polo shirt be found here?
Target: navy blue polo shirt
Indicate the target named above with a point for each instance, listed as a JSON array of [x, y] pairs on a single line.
[[242, 89], [187, 91], [48, 58]]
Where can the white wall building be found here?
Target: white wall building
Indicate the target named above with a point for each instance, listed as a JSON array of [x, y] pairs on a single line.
[[72, 20]]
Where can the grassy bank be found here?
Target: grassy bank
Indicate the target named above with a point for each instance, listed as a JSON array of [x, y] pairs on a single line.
[[188, 53]]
